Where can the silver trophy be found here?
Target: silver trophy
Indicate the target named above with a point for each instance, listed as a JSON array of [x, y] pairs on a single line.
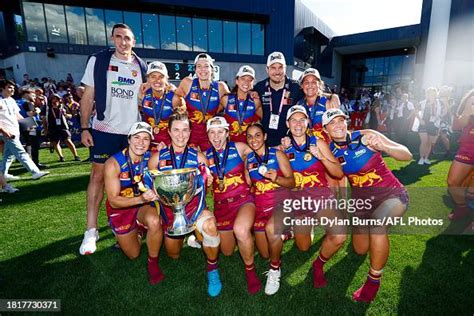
[[176, 188]]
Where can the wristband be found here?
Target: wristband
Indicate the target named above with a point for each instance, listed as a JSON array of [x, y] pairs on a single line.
[[89, 129]]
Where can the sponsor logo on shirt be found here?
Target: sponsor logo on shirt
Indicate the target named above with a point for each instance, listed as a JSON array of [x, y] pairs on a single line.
[[359, 153], [122, 93], [124, 81]]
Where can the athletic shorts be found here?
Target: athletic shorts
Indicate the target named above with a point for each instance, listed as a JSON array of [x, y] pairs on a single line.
[[199, 137], [226, 211], [106, 145], [121, 220], [381, 195], [59, 135], [429, 128], [465, 155]]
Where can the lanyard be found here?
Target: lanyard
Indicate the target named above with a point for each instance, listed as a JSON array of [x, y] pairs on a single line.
[[206, 105], [135, 177], [265, 157], [184, 157], [312, 109], [281, 101], [298, 148], [156, 104], [241, 113], [348, 142], [220, 168]]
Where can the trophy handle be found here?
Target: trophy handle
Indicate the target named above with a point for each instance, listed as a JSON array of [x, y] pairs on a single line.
[[199, 179]]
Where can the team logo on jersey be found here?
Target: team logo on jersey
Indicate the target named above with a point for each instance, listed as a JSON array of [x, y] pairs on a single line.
[[113, 68], [253, 166], [265, 186], [232, 180], [341, 160], [291, 156], [134, 73], [195, 96], [367, 179], [306, 179], [124, 176]]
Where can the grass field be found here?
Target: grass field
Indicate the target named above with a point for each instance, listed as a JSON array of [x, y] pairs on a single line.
[[41, 229]]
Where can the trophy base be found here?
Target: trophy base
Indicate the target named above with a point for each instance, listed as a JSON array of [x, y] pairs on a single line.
[[180, 231]]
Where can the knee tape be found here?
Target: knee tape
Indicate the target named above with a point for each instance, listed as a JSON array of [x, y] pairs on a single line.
[[207, 240]]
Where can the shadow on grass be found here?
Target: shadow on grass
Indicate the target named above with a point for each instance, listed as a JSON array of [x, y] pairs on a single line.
[[413, 172], [45, 188], [443, 283]]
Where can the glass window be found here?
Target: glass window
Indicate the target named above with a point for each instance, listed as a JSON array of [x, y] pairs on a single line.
[[133, 20], [200, 35], [55, 23], [393, 80], [112, 17], [369, 64], [230, 37], [408, 64], [378, 66], [244, 38], [34, 20], [395, 67], [167, 32], [76, 25], [214, 28], [184, 33], [96, 27], [150, 31], [258, 39], [20, 31]]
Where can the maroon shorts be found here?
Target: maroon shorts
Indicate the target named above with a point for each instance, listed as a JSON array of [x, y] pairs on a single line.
[[465, 155], [381, 195], [226, 211], [121, 220]]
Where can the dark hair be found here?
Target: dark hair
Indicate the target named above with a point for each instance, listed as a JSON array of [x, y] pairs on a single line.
[[5, 83], [121, 26], [257, 125], [177, 116]]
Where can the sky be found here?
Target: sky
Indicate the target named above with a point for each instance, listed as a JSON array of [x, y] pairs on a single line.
[[356, 16]]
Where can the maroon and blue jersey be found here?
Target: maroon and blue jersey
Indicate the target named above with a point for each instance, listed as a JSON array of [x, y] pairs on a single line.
[[129, 181], [308, 170], [201, 105], [315, 113], [362, 166], [156, 112], [239, 114]]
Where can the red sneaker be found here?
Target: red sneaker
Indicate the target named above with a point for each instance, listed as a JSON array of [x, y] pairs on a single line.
[[459, 212], [253, 282], [367, 292], [319, 281]]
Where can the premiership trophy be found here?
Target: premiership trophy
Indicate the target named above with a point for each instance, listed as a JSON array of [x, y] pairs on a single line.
[[176, 188]]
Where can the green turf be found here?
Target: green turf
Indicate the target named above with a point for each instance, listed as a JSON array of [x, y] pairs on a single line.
[[41, 229]]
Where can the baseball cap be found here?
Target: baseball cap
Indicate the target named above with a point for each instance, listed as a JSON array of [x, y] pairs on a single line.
[[309, 72], [330, 114], [296, 109], [276, 57], [217, 122], [157, 66], [140, 127], [205, 57], [246, 70]]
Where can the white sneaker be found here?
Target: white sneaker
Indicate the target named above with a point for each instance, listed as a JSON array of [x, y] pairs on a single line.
[[8, 176], [273, 281], [421, 161], [9, 189], [88, 246], [38, 175], [192, 242], [427, 161]]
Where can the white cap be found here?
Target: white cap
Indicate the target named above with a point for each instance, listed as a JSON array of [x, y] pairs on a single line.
[[330, 114], [217, 122], [246, 70], [204, 56], [276, 57], [309, 72], [140, 127], [157, 66], [296, 109]]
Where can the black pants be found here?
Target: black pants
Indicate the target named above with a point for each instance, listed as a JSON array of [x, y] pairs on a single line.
[[34, 143]]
